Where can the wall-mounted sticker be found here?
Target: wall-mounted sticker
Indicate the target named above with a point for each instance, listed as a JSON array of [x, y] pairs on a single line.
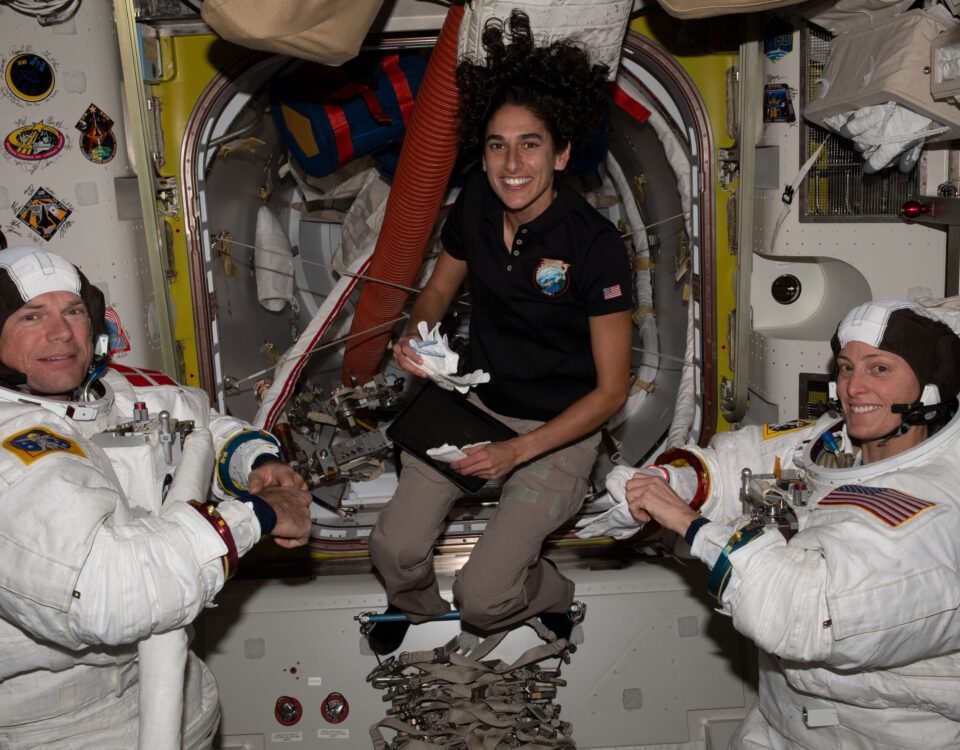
[[44, 213], [777, 103], [119, 341], [777, 38], [97, 141], [30, 77], [34, 142]]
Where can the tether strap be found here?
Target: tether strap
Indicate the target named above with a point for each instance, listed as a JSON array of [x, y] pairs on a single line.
[[452, 697]]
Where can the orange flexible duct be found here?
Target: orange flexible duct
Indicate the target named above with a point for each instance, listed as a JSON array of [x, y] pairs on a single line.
[[419, 186]]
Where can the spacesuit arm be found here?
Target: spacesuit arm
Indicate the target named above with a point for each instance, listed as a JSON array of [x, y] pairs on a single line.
[[776, 592], [840, 594], [152, 575], [239, 449]]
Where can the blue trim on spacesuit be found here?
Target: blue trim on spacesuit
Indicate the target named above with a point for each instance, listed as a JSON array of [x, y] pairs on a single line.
[[226, 456]]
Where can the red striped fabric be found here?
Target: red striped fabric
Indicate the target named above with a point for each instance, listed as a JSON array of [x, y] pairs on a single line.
[[142, 378], [341, 132], [391, 66]]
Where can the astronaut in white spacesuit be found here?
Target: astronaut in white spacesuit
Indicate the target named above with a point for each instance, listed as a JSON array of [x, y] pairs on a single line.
[[856, 616], [102, 554]]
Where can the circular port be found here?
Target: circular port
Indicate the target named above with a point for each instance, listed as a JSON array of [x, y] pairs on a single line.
[[334, 708], [288, 710], [786, 289]]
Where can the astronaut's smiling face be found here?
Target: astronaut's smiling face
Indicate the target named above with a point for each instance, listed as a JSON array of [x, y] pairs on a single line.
[[869, 382], [49, 340], [521, 159]]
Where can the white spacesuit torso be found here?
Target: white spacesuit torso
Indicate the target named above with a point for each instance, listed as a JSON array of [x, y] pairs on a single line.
[[859, 611], [91, 561]]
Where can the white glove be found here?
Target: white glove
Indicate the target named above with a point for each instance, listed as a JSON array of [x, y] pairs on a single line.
[[440, 361], [616, 522], [449, 453], [434, 349], [885, 133]]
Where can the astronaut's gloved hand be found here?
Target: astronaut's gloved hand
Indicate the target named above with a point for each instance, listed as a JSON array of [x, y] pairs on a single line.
[[618, 521], [885, 133], [440, 361]]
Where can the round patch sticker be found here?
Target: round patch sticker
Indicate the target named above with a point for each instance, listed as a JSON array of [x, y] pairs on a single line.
[[34, 142], [551, 276], [30, 77]]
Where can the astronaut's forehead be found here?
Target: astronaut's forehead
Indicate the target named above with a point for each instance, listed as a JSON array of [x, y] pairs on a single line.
[[58, 299]]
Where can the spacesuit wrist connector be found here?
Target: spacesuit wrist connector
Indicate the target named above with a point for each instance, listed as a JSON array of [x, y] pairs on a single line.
[[720, 575], [231, 560], [683, 457]]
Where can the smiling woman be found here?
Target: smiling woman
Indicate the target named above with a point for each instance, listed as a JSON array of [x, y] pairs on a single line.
[[851, 592], [895, 366], [550, 278]]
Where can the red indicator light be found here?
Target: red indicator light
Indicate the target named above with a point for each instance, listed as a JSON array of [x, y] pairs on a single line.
[[913, 209]]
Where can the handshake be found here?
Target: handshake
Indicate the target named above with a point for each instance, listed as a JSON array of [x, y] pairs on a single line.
[[440, 361]]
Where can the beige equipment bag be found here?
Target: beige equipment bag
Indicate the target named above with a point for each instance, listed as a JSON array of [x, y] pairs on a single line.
[[705, 8], [599, 25], [836, 16], [885, 62], [324, 31]]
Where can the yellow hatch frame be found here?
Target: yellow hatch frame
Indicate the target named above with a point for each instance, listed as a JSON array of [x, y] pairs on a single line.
[[188, 67]]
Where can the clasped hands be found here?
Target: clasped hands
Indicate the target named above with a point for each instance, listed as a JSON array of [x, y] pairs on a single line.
[[639, 495], [286, 491]]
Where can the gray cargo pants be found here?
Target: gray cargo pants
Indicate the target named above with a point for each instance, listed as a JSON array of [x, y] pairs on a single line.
[[505, 581]]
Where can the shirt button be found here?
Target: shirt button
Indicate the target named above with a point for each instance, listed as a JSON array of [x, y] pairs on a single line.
[[519, 242], [523, 231], [516, 252], [509, 268]]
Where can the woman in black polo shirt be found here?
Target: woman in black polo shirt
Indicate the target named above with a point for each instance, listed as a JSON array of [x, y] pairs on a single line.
[[551, 291]]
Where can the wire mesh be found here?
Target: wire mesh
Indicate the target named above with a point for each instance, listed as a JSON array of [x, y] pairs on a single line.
[[836, 189]]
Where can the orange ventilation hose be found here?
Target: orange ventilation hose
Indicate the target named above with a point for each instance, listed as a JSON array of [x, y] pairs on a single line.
[[419, 186]]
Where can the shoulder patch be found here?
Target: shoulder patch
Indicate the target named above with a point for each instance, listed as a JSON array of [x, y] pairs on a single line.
[[140, 377], [773, 430], [891, 506], [37, 442]]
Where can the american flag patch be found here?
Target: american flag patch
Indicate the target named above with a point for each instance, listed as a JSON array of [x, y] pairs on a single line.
[[612, 292], [140, 377], [890, 506]]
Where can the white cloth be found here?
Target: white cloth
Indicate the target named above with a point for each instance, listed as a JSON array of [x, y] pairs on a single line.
[[88, 568], [449, 453], [273, 261], [862, 614], [440, 361], [885, 133]]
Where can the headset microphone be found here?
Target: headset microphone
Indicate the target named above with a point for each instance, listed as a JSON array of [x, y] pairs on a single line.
[[919, 413]]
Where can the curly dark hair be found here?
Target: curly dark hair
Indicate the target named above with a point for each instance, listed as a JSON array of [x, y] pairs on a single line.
[[556, 82]]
